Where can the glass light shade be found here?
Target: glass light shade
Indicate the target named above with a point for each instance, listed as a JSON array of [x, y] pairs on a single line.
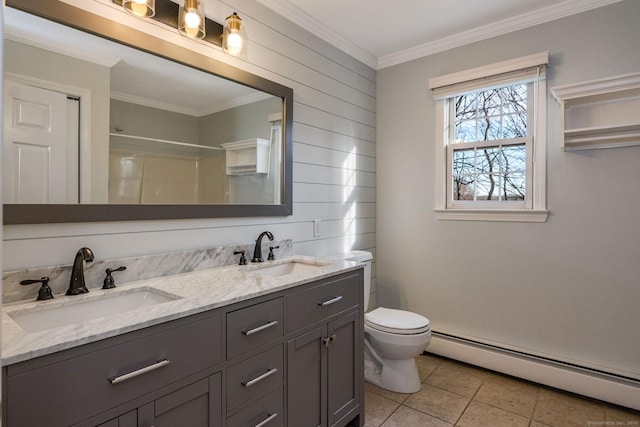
[[234, 38], [191, 20], [142, 8]]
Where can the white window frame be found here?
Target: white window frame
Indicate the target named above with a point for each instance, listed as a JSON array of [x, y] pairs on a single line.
[[526, 69]]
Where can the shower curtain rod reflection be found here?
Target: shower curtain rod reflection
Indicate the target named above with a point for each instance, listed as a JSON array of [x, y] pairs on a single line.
[[164, 141]]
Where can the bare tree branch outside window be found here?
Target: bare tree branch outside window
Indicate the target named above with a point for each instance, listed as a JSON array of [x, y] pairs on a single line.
[[496, 172]]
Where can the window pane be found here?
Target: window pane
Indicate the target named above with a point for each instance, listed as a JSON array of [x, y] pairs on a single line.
[[487, 187], [466, 106], [514, 98], [493, 129], [489, 103], [463, 187], [463, 162], [514, 158], [483, 129], [515, 125], [513, 186], [466, 131], [488, 160]]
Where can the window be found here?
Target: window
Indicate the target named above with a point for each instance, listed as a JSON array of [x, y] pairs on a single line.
[[489, 151], [491, 142]]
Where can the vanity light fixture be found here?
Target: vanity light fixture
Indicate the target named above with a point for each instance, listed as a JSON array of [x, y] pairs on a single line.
[[142, 8], [191, 19], [234, 39]]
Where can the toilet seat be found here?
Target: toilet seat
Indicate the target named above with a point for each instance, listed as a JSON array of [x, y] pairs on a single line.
[[399, 322]]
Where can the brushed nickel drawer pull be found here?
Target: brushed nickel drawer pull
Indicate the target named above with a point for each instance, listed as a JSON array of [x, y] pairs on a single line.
[[121, 378], [249, 383], [330, 301], [260, 328], [270, 417]]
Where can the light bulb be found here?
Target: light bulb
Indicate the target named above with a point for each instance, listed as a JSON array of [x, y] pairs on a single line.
[[192, 19], [234, 42]]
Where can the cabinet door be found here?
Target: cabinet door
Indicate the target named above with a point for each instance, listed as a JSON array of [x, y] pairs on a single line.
[[307, 381], [344, 368], [199, 404], [130, 419], [196, 405]]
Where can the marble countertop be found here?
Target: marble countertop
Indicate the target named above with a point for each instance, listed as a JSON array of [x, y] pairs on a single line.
[[194, 292]]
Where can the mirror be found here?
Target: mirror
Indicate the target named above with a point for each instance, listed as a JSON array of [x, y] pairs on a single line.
[[164, 132]]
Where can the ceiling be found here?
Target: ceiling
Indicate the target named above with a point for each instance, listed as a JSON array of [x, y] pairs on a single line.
[[382, 33]]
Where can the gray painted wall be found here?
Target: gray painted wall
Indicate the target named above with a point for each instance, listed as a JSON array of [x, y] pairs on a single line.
[[567, 288], [334, 156], [236, 124]]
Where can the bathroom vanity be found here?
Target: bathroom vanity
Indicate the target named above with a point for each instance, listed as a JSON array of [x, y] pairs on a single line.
[[234, 348]]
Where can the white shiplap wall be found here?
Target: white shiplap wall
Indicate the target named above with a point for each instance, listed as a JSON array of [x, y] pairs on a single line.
[[334, 170]]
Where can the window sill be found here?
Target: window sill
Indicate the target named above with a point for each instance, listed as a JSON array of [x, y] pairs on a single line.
[[502, 215]]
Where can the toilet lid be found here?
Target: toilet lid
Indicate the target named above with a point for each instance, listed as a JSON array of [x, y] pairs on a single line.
[[396, 321]]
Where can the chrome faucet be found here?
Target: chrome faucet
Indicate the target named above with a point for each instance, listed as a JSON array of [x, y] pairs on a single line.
[[76, 285], [257, 251]]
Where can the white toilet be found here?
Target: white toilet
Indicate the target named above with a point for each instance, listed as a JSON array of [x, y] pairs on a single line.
[[392, 339]]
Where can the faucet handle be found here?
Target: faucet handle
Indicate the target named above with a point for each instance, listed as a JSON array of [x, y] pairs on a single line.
[[243, 259], [109, 283], [271, 256], [45, 291]]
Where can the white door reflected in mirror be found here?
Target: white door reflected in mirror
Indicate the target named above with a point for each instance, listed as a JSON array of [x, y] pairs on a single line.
[[38, 126]]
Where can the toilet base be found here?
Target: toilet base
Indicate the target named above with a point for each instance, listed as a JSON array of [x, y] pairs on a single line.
[[400, 376]]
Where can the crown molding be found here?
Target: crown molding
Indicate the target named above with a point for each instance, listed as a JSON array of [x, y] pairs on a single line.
[[519, 22], [193, 112], [540, 16], [292, 13]]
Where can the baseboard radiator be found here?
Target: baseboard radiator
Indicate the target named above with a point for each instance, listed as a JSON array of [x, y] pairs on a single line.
[[596, 384]]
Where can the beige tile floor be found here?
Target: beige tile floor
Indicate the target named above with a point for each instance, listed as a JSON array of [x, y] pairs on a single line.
[[456, 394]]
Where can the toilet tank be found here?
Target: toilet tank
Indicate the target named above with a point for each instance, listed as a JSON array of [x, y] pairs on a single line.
[[363, 257]]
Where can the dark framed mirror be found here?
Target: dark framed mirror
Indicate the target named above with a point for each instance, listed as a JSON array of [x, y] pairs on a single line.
[[240, 190]]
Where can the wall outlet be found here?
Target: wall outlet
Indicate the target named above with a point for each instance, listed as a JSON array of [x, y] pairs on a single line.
[[316, 228]]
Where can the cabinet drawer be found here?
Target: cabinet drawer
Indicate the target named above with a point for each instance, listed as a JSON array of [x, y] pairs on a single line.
[[254, 326], [267, 411], [254, 376], [317, 303], [70, 390]]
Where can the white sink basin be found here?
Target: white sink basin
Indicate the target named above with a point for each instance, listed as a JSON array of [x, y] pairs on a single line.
[[286, 268], [68, 312]]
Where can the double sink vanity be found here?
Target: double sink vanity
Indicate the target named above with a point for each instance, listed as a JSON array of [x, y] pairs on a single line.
[[265, 344], [184, 339]]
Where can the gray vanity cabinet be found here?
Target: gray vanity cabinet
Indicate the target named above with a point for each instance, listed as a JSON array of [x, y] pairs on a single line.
[[72, 386], [290, 358], [324, 364]]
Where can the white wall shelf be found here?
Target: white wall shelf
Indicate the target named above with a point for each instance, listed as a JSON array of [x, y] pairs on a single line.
[[247, 157], [601, 113]]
